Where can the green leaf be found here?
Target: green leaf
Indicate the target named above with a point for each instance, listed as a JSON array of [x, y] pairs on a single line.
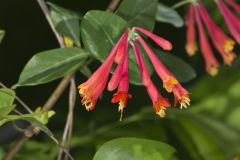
[[99, 37], [50, 65], [7, 97], [86, 71], [100, 31], [66, 22], [139, 13], [168, 15], [134, 149], [183, 71], [2, 33]]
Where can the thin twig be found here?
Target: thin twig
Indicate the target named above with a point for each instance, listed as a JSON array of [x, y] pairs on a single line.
[[57, 93], [113, 5], [19, 100], [46, 12], [67, 134]]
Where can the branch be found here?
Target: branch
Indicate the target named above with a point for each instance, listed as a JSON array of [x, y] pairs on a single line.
[[46, 12], [113, 5], [67, 134]]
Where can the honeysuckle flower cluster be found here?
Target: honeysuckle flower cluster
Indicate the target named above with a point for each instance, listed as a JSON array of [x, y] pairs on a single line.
[[94, 86], [198, 14]]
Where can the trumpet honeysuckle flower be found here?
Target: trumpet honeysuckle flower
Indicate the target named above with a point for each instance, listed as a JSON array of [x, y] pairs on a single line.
[[231, 20], [221, 41], [167, 77], [211, 62], [94, 86], [198, 14], [122, 94], [191, 46], [234, 5], [166, 45], [159, 103], [181, 95], [170, 83]]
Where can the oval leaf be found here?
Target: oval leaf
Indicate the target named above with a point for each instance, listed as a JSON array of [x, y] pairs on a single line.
[[168, 15], [183, 71], [134, 149], [139, 13], [50, 65]]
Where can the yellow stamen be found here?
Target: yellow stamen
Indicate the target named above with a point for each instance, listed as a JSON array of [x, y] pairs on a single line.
[[68, 41], [228, 45], [191, 49], [213, 71], [229, 57], [184, 102], [162, 112], [169, 83], [120, 109]]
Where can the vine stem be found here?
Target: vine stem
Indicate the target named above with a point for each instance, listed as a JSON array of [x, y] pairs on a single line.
[[60, 88], [113, 5], [46, 12]]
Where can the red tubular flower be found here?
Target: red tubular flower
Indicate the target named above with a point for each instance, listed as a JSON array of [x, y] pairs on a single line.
[[191, 46], [170, 83], [93, 87], [166, 45], [234, 5], [122, 94], [182, 96], [211, 62], [231, 20], [167, 77], [159, 103], [221, 41]]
